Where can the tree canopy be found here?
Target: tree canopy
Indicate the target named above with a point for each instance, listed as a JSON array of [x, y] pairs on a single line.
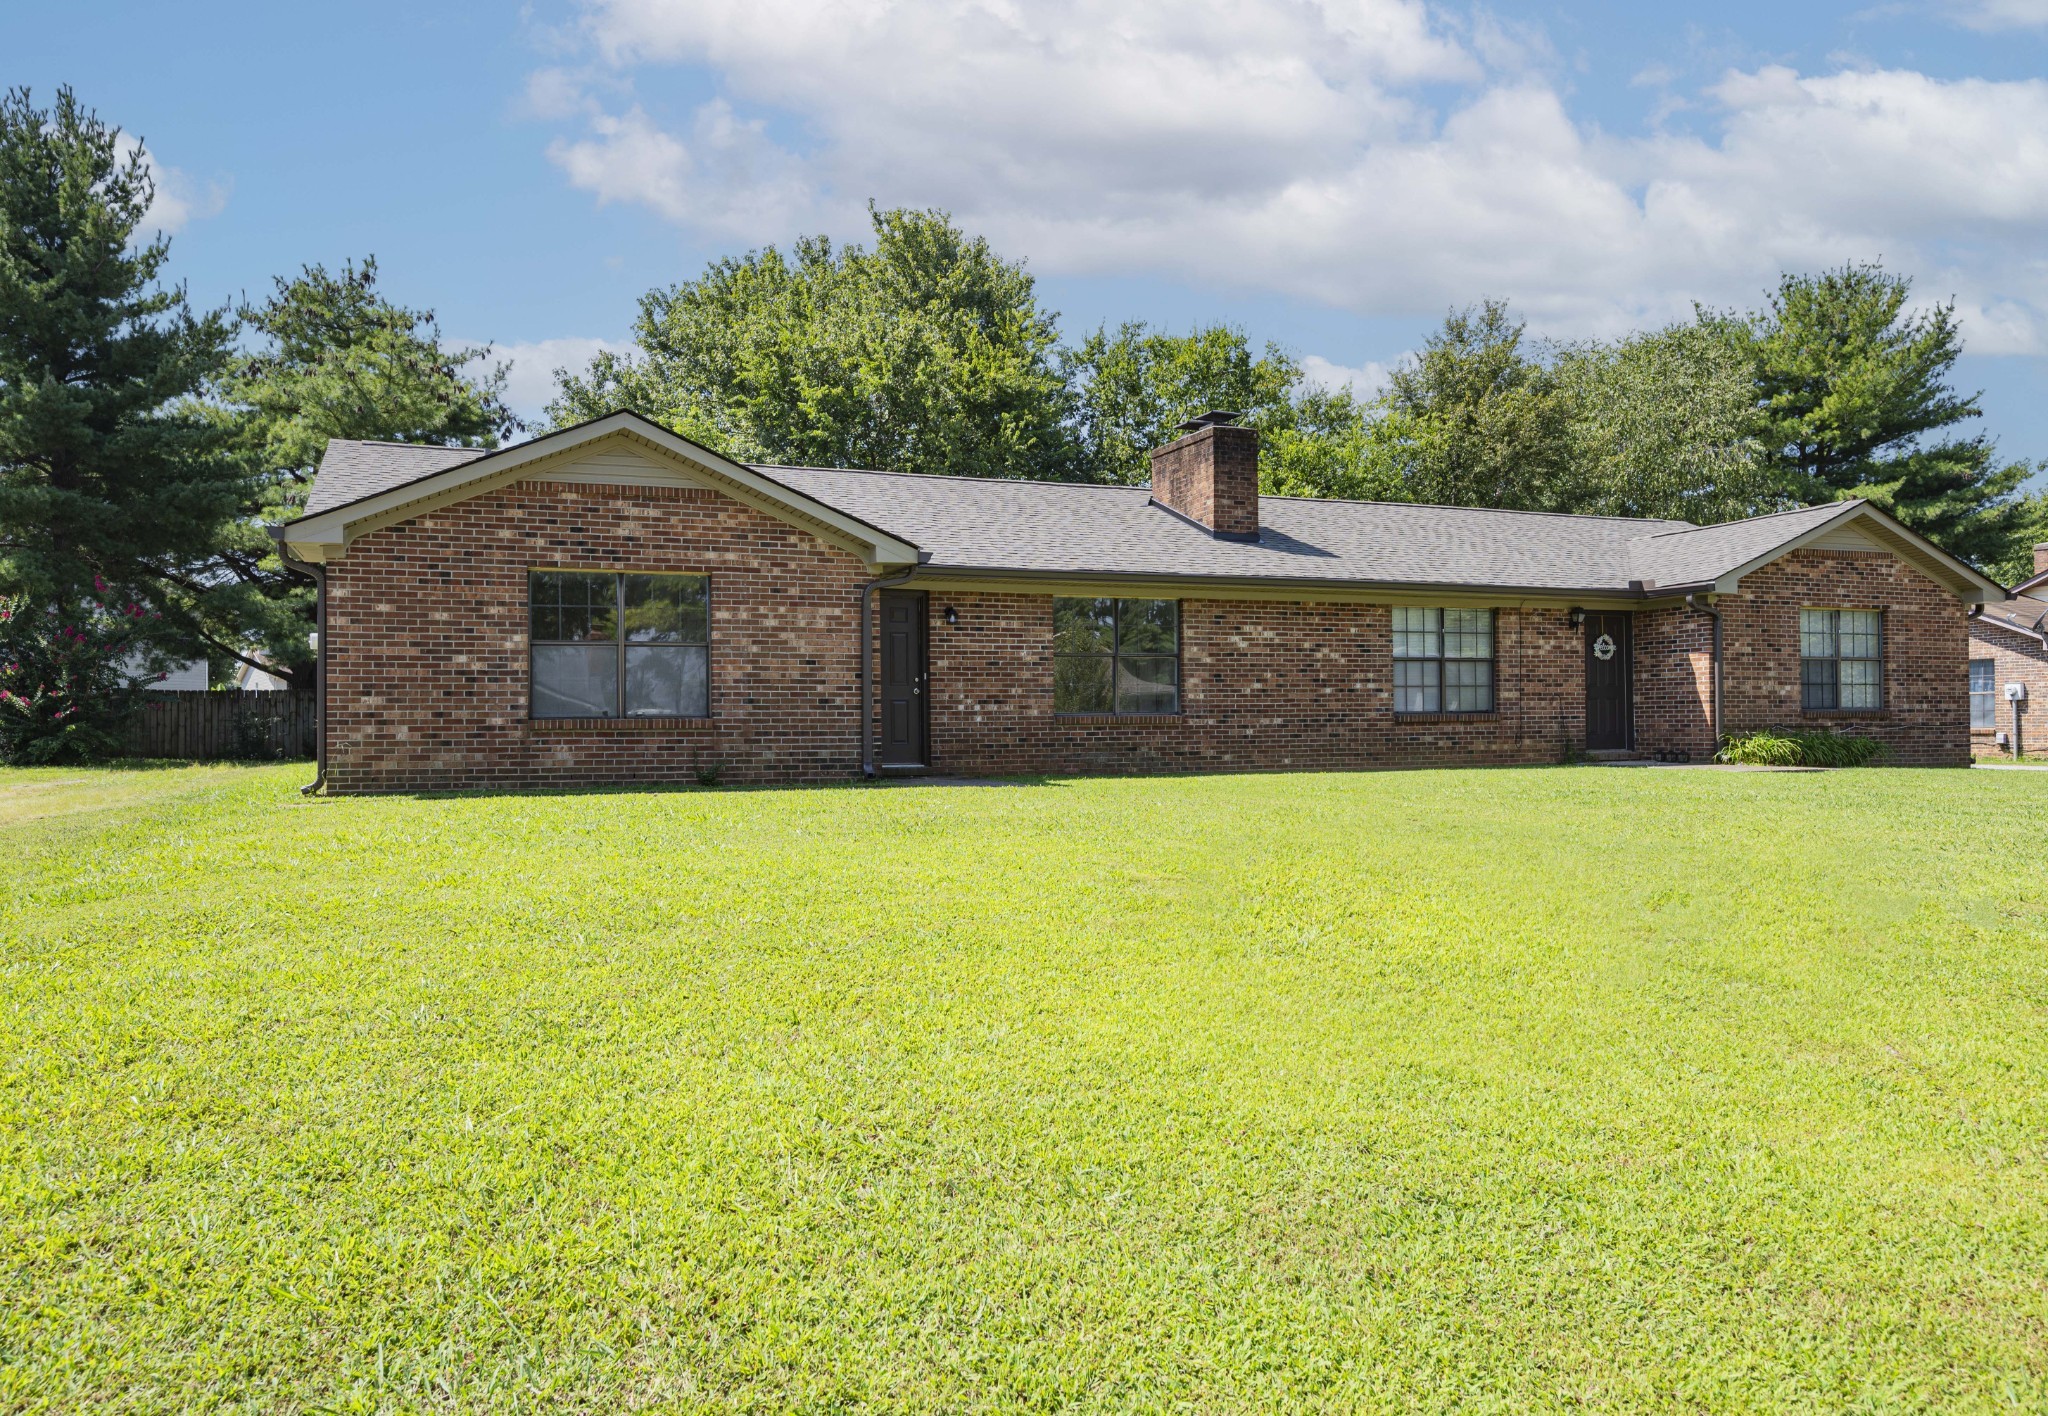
[[924, 351], [1131, 388], [1474, 418], [1857, 397], [110, 468], [332, 357], [1664, 424]]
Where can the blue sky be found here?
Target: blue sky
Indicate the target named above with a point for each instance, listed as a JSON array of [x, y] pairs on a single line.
[[1329, 174]]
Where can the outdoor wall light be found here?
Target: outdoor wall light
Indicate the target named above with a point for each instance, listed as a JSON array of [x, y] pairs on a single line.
[[952, 615], [1577, 617]]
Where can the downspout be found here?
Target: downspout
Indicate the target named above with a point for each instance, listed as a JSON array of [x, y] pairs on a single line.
[[867, 665], [1701, 607], [318, 575]]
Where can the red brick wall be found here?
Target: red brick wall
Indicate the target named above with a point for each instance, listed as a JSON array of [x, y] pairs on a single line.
[[1674, 682], [1211, 476], [1264, 685], [427, 644], [1926, 717], [2019, 660], [427, 663]]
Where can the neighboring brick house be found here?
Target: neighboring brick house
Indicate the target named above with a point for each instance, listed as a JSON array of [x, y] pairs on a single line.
[[2009, 645], [612, 603]]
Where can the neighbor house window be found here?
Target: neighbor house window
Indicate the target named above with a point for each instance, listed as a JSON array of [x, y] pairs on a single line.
[[1115, 656], [1841, 659], [1443, 660], [1983, 693], [620, 646]]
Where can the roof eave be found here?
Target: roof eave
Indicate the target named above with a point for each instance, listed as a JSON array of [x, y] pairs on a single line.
[[1306, 585]]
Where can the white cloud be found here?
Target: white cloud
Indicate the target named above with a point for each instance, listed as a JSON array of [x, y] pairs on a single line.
[[553, 93], [1312, 149], [727, 178], [2001, 14], [530, 383], [1364, 381], [179, 199]]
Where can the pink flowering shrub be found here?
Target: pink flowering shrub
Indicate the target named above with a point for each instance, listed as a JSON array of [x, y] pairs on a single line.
[[68, 682]]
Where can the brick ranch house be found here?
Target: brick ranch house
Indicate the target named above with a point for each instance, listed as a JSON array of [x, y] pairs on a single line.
[[612, 603], [2009, 645]]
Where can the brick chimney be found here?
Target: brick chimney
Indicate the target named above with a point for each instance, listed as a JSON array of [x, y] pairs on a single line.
[[1211, 476], [2040, 551]]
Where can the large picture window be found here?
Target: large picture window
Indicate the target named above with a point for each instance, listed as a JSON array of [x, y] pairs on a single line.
[[1115, 656], [1983, 693], [620, 646], [1841, 660], [1443, 660]]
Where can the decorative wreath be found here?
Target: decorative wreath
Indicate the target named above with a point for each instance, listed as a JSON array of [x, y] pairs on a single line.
[[1603, 648]]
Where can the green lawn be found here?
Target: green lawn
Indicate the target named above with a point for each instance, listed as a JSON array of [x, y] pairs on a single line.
[[1564, 1088]]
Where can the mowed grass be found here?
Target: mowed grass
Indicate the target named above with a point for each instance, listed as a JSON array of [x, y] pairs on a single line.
[[1496, 1090]]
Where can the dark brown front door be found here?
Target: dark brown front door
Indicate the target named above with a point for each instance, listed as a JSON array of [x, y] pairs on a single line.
[[1608, 719], [903, 678]]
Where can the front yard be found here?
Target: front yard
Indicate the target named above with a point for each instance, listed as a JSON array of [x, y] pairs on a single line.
[[1506, 1090]]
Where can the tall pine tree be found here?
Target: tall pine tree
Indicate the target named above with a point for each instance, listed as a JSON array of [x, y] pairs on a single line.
[[110, 470], [1857, 400]]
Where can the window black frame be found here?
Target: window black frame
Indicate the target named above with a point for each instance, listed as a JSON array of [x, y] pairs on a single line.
[[1440, 659], [620, 644], [1807, 686], [1116, 655], [1989, 694]]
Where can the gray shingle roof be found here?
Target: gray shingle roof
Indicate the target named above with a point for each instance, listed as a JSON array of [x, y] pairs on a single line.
[[971, 523], [352, 470], [1038, 528], [1691, 555]]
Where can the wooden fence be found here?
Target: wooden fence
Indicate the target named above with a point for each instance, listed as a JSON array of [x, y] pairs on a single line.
[[234, 723]]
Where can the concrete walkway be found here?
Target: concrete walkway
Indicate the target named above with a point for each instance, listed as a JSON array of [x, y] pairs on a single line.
[[2012, 766]]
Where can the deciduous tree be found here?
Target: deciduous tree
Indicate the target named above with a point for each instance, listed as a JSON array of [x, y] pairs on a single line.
[[1132, 387], [1473, 419], [926, 353], [1665, 424]]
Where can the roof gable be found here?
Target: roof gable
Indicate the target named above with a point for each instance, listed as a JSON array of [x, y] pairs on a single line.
[[1717, 557], [385, 483]]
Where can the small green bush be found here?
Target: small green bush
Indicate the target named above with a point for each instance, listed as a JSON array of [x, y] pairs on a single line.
[[1778, 747]]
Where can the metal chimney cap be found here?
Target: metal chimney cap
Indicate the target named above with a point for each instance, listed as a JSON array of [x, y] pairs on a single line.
[[1214, 418]]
